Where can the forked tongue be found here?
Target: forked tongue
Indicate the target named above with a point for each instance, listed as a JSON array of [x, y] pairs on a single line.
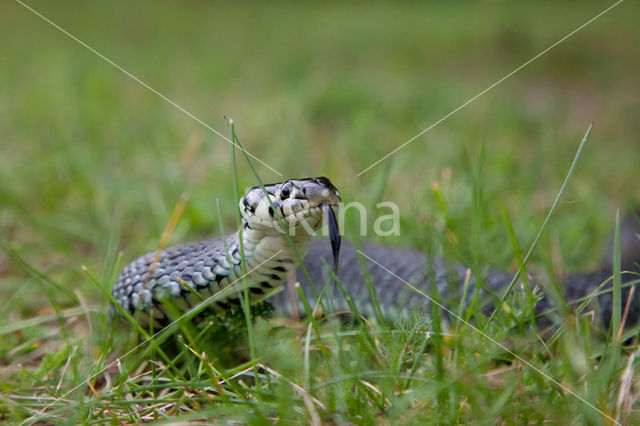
[[334, 234]]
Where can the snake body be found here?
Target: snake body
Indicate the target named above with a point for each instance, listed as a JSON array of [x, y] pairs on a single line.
[[391, 269], [185, 275]]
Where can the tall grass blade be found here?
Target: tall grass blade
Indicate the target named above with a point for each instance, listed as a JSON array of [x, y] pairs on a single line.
[[521, 269]]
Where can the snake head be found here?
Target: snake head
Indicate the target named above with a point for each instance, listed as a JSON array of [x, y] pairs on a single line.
[[298, 202]]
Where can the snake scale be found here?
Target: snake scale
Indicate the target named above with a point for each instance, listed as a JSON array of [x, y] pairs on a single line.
[[185, 275]]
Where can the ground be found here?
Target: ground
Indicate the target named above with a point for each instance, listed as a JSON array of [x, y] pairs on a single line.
[[93, 163]]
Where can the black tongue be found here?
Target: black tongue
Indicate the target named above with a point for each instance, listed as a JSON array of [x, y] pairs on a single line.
[[334, 234]]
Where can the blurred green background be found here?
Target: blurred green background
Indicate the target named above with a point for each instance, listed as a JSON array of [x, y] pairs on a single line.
[[91, 162]]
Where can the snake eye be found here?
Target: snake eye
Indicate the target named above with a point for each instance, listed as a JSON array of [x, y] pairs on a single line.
[[286, 190], [248, 206]]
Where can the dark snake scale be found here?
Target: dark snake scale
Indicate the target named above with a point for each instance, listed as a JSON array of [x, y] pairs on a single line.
[[185, 275]]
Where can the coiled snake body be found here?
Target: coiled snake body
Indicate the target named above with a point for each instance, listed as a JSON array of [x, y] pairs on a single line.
[[187, 274]]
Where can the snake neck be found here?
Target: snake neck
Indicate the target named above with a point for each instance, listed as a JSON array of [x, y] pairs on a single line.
[[269, 256]]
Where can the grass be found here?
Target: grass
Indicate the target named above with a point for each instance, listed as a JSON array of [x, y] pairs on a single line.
[[92, 166]]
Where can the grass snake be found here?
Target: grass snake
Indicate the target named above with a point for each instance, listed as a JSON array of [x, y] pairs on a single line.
[[184, 275]]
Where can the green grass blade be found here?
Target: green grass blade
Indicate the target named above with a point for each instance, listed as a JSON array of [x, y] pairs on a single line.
[[521, 269], [616, 315], [243, 263]]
